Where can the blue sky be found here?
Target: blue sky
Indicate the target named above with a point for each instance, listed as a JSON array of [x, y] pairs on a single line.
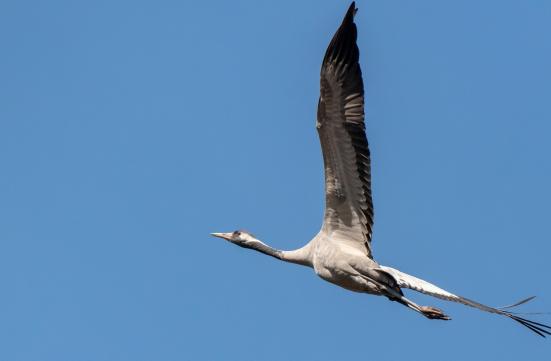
[[130, 130]]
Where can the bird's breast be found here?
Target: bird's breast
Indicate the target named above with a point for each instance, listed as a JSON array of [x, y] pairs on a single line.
[[334, 265]]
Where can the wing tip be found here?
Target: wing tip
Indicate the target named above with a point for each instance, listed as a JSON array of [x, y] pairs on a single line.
[[349, 16], [539, 328], [351, 12], [343, 44]]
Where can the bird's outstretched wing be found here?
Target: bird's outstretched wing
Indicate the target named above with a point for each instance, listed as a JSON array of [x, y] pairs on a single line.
[[340, 123], [405, 280]]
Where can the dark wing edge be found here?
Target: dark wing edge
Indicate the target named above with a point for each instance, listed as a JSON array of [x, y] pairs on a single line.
[[342, 100], [405, 280], [343, 45]]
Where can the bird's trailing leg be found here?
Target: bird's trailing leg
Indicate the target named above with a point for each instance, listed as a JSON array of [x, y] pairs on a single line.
[[429, 312], [434, 313], [395, 294]]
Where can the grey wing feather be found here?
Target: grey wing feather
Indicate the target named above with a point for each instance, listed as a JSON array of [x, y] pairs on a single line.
[[349, 207], [405, 280]]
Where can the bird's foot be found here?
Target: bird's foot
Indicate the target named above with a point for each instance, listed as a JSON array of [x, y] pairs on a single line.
[[433, 313]]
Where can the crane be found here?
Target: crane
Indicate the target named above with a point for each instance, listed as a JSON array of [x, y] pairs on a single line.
[[341, 252]]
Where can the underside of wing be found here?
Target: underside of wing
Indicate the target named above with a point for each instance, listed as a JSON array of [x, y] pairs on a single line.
[[348, 205]]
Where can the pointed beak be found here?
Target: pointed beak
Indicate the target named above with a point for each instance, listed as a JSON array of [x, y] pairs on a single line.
[[226, 236]]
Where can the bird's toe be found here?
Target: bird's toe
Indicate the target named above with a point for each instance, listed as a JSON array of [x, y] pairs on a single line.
[[434, 313]]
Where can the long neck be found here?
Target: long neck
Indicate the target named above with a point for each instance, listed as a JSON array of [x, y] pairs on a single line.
[[264, 248], [300, 256]]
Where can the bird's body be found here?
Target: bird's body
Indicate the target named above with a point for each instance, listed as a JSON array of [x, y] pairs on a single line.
[[342, 265], [341, 252]]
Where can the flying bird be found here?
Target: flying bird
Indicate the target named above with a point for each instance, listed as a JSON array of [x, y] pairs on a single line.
[[341, 252]]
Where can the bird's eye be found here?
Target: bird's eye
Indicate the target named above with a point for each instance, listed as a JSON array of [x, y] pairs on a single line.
[[236, 233]]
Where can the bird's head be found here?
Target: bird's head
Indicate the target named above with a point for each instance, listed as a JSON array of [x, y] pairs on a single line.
[[240, 238]]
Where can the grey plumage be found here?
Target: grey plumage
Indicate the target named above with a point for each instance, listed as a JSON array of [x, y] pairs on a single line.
[[340, 124], [341, 252]]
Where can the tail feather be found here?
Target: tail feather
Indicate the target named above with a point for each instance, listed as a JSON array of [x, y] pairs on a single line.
[[407, 281], [517, 303], [537, 327]]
